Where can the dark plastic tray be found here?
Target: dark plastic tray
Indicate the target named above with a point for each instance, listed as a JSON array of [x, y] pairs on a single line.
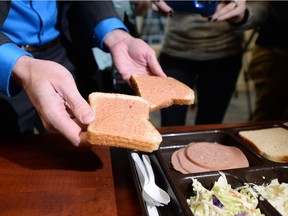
[[179, 186]]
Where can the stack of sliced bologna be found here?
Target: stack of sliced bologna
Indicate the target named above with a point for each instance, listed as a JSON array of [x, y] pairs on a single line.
[[207, 156]]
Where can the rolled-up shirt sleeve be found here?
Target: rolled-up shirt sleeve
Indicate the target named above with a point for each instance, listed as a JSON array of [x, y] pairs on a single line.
[[9, 54], [104, 27]]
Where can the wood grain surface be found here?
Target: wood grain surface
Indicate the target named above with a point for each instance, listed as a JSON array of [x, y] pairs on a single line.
[[45, 175]]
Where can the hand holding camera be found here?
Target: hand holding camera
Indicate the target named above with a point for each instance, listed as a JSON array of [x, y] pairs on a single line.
[[205, 8], [217, 10]]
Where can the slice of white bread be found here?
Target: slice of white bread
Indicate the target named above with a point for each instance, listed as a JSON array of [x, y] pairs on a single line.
[[122, 121], [271, 143], [161, 92]]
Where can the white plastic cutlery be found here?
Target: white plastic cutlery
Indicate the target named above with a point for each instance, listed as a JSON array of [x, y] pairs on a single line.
[[151, 188], [143, 177], [150, 206], [151, 193]]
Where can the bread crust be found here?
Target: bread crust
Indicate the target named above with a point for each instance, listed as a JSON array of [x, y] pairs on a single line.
[[122, 121], [122, 142], [161, 92], [271, 143]]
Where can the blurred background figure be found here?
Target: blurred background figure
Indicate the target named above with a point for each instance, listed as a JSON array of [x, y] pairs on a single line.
[[206, 54], [268, 68]]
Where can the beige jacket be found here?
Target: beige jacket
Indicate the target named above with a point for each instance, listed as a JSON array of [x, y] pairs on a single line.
[[192, 36]]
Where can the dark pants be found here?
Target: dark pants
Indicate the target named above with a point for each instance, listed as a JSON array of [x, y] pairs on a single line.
[[269, 72], [213, 82], [17, 113]]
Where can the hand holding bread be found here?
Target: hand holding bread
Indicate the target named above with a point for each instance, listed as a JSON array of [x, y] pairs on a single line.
[[123, 120]]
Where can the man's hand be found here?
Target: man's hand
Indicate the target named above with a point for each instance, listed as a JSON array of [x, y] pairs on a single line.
[[131, 55], [52, 90]]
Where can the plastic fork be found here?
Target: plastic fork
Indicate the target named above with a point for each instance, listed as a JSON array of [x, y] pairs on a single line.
[[143, 177]]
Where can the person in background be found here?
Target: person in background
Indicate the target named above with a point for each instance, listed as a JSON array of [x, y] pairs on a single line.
[[268, 68], [41, 44], [205, 53], [107, 77], [129, 10]]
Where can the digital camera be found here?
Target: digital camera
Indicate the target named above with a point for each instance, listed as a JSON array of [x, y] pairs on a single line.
[[205, 8]]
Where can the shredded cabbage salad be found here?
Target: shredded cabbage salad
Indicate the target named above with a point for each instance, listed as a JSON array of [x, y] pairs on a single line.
[[276, 194], [222, 199]]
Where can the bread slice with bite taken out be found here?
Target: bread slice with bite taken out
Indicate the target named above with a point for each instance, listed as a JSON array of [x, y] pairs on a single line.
[[161, 92], [122, 121]]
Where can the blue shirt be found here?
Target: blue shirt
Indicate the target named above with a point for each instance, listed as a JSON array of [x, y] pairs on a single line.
[[33, 22]]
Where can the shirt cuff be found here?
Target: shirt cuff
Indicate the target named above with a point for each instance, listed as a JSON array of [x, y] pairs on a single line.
[[104, 27], [9, 54]]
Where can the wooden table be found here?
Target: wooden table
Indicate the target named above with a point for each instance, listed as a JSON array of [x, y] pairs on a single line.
[[45, 175]]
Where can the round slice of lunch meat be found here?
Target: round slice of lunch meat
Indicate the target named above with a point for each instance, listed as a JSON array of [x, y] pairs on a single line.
[[241, 161], [175, 162], [188, 165], [215, 156]]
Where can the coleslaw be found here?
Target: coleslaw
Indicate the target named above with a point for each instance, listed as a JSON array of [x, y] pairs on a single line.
[[222, 199], [276, 194]]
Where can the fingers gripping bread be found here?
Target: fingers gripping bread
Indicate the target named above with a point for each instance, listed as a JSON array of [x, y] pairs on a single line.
[[122, 121], [161, 92]]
